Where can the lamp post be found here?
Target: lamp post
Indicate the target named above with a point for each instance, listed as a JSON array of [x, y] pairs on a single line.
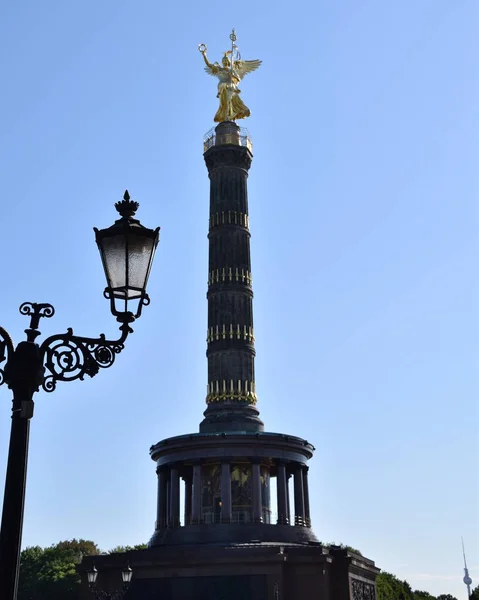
[[127, 249], [99, 594]]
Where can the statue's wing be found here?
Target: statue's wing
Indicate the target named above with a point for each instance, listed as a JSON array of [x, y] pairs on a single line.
[[213, 69], [243, 67]]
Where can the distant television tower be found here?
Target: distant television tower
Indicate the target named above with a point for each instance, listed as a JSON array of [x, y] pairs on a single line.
[[467, 580]]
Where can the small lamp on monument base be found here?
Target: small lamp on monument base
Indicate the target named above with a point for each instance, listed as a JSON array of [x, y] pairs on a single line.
[[99, 594]]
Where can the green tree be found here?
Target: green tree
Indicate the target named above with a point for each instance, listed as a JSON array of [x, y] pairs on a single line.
[[343, 547], [50, 573], [475, 593], [446, 597], [420, 595], [389, 587], [118, 549], [29, 562]]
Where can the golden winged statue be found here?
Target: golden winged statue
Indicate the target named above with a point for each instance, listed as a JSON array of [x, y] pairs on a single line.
[[230, 73]]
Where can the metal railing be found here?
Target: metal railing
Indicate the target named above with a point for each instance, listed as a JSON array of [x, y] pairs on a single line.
[[243, 139]]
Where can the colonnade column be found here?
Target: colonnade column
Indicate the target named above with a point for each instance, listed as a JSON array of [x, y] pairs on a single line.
[[288, 501], [188, 497], [307, 514], [257, 504], [174, 497], [298, 496], [226, 508], [161, 500], [168, 498], [282, 493], [196, 500]]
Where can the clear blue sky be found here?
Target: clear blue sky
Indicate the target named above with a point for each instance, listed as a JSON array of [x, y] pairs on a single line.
[[363, 208]]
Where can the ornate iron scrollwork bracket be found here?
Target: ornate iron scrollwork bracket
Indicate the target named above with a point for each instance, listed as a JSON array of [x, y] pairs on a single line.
[[64, 356], [69, 357], [6, 350]]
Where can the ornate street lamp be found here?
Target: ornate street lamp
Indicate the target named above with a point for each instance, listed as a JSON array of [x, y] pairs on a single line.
[[126, 575], [92, 574], [127, 249]]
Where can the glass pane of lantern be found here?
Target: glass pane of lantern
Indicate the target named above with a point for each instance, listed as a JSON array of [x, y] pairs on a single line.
[[126, 574], [92, 575], [114, 261], [140, 254]]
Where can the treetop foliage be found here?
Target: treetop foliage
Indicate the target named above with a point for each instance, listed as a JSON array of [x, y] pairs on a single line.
[[118, 549], [475, 593], [389, 587], [50, 573]]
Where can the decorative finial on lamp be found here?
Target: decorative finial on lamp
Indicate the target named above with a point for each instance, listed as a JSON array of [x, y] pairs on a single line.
[[127, 207]]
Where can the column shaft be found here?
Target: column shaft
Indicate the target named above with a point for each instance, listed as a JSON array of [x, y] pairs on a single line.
[[161, 500], [281, 490], [188, 498], [168, 499], [174, 497], [196, 503], [288, 500], [307, 514], [226, 507], [298, 496], [257, 504], [230, 336]]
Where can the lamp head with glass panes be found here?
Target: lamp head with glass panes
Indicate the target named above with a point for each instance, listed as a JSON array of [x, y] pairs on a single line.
[[127, 249], [92, 575], [126, 575]]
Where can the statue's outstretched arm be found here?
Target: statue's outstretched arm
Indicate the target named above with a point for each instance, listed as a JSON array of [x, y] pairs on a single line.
[[208, 64], [212, 69]]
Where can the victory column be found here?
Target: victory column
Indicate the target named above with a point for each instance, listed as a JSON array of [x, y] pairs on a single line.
[[228, 538]]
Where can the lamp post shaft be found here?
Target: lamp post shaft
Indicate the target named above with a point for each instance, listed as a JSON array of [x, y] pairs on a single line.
[[14, 498]]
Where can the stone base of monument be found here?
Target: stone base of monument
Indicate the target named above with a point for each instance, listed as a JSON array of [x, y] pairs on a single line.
[[239, 572]]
